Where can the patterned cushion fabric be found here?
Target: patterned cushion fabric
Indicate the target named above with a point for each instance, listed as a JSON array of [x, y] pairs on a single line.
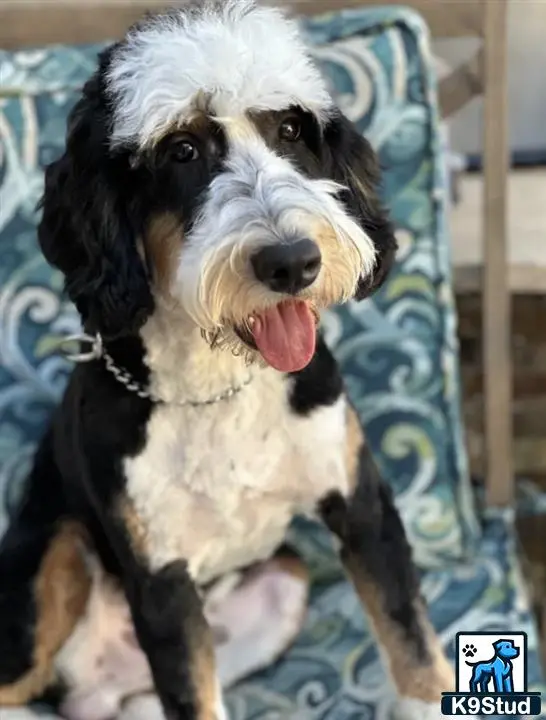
[[398, 352]]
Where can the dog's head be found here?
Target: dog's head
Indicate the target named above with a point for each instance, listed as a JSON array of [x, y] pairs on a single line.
[[207, 169], [505, 649]]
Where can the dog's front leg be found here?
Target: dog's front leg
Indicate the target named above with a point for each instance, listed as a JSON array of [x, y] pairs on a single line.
[[171, 628], [377, 556]]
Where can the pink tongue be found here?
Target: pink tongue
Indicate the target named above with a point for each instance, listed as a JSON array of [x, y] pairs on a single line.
[[285, 335]]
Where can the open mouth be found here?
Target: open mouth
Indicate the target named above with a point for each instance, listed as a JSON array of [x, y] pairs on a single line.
[[284, 335]]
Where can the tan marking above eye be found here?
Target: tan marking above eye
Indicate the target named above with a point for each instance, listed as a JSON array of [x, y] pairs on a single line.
[[163, 240], [275, 126]]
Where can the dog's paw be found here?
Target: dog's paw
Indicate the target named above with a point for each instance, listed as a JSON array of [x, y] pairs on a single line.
[[469, 651], [142, 707], [221, 712], [148, 707], [412, 709]]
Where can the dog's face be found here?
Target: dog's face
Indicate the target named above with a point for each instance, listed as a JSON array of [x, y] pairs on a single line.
[[506, 650], [207, 169]]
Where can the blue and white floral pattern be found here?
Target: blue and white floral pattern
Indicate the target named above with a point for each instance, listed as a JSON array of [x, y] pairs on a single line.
[[398, 353]]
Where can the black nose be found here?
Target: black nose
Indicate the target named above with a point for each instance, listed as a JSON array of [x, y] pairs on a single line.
[[287, 268]]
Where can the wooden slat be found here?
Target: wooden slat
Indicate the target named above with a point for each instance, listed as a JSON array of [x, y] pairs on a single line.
[[522, 279], [496, 301], [30, 24], [445, 18], [25, 23], [461, 85]]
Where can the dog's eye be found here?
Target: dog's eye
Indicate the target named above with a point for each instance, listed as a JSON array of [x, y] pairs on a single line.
[[290, 129], [184, 151]]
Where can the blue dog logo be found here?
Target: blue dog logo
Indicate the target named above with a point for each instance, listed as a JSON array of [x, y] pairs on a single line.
[[499, 669], [492, 687]]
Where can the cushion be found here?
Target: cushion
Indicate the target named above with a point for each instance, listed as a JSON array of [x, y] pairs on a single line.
[[398, 352], [334, 671]]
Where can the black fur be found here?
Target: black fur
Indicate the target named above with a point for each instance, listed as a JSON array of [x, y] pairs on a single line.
[[317, 385], [81, 432], [353, 163], [172, 630], [97, 204], [77, 474], [376, 550], [90, 224], [165, 606], [21, 551]]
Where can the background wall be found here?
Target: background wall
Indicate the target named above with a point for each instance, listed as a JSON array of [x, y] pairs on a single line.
[[527, 83]]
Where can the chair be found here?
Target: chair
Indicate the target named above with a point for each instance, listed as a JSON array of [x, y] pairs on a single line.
[[398, 352]]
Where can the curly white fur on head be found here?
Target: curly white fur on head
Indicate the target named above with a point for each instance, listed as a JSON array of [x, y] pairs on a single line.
[[231, 55]]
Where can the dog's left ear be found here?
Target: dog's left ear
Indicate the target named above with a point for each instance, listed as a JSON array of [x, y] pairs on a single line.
[[352, 162]]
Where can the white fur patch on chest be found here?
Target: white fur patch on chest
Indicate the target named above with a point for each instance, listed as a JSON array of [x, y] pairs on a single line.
[[218, 485]]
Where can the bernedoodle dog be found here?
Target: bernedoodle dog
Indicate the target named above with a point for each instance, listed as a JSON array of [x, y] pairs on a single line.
[[210, 202]]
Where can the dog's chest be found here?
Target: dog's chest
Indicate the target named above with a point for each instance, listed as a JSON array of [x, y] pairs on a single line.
[[218, 485]]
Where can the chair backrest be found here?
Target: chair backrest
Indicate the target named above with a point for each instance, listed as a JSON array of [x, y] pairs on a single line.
[[82, 21], [487, 73]]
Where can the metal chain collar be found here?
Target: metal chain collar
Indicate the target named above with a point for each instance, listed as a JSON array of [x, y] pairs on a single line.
[[98, 351]]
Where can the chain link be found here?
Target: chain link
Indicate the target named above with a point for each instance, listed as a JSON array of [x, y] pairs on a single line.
[[123, 377], [126, 379]]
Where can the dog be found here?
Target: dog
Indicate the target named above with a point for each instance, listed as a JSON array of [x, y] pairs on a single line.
[[210, 202], [499, 669]]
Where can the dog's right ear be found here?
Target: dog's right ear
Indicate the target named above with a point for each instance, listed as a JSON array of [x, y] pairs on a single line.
[[351, 161], [88, 228]]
